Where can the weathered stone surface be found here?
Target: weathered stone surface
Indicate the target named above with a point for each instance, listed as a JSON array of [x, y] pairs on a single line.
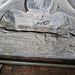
[[20, 21], [35, 44], [37, 28]]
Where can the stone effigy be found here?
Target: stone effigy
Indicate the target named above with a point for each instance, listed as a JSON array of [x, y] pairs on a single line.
[[44, 27]]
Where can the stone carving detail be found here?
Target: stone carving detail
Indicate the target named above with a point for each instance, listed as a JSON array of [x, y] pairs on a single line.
[[39, 4], [35, 15], [55, 19]]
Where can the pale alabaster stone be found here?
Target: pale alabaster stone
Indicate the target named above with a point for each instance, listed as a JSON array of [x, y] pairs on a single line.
[[37, 28]]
